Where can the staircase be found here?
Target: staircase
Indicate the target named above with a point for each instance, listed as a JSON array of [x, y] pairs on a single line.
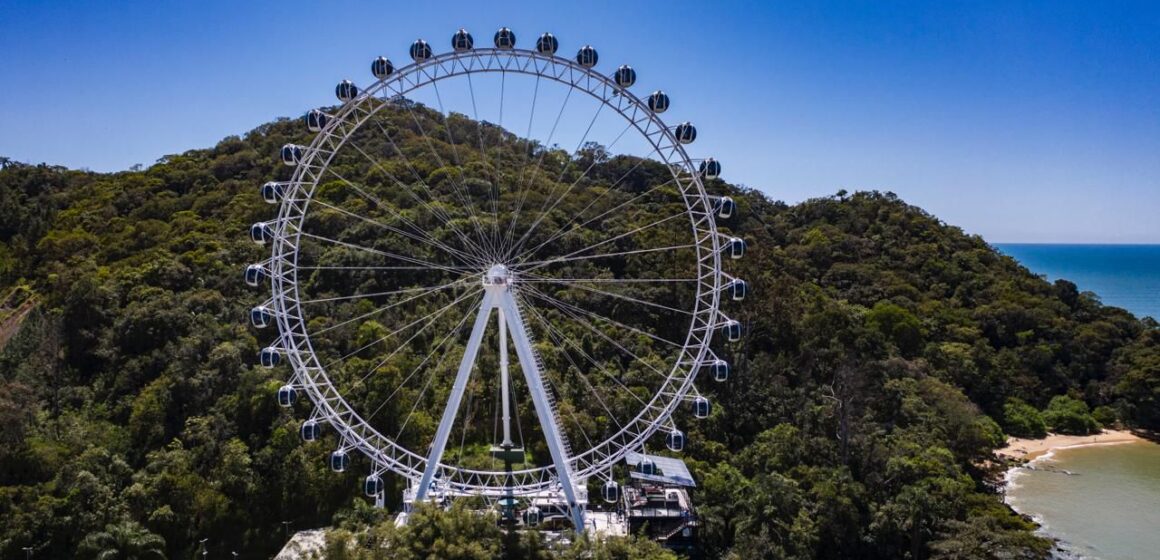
[[680, 526], [549, 394]]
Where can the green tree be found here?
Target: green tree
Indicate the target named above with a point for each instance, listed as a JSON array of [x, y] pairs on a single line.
[[615, 548], [1023, 420], [435, 534], [898, 325], [1137, 379], [1105, 415], [982, 537], [1069, 416], [924, 488], [127, 540]]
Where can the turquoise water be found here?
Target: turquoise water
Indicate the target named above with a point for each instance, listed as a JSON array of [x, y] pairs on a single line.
[[1106, 505], [1125, 276]]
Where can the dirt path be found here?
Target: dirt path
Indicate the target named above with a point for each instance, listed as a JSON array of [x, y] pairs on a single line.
[[11, 323]]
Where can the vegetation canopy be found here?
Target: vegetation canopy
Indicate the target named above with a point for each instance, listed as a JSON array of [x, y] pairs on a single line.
[[885, 354]]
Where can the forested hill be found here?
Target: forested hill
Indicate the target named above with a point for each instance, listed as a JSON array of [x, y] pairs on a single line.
[[885, 355]]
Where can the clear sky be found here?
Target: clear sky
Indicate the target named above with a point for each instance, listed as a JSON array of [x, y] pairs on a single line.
[[1020, 121]]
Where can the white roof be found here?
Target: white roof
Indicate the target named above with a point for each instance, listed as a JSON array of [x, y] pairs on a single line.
[[669, 470]]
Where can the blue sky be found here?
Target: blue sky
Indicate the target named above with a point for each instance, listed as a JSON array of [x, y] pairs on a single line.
[[1020, 121]]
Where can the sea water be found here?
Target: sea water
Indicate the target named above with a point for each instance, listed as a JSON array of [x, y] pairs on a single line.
[[1126, 276], [1102, 501]]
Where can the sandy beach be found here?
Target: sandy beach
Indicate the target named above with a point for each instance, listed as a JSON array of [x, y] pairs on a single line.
[[1029, 449]]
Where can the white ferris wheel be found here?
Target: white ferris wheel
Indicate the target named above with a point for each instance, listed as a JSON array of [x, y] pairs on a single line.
[[414, 248]]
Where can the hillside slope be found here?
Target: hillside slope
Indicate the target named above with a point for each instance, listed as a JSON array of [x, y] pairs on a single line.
[[883, 352]]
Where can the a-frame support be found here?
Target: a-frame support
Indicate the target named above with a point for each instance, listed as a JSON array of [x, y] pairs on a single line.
[[497, 284]]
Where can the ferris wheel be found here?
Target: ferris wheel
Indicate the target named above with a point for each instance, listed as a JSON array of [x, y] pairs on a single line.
[[417, 243]]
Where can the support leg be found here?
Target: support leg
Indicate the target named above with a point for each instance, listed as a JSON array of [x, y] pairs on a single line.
[[544, 411], [503, 372], [456, 397]]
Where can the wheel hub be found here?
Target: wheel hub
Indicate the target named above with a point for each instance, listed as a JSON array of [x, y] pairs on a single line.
[[498, 276]]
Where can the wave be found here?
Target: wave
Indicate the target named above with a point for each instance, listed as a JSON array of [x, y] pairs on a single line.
[[1062, 548]]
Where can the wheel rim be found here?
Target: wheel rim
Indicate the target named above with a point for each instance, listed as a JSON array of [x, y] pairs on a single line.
[[310, 373]]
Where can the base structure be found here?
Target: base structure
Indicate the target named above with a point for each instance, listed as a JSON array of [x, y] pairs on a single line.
[[654, 503], [555, 510], [660, 511]]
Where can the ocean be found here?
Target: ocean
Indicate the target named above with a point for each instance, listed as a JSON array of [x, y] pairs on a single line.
[[1102, 501], [1126, 276]]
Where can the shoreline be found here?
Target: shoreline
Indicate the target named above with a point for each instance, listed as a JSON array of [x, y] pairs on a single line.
[[1021, 455], [1026, 450]]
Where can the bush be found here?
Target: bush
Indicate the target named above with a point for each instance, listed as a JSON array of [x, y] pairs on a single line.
[[1106, 415], [1066, 415], [1022, 420], [898, 325], [991, 432]]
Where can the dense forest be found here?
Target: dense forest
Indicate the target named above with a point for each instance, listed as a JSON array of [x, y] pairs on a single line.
[[885, 356]]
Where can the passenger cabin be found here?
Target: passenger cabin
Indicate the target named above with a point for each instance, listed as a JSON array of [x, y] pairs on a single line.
[[420, 51], [462, 41], [382, 68], [625, 76], [505, 39], [587, 56], [547, 44], [658, 102]]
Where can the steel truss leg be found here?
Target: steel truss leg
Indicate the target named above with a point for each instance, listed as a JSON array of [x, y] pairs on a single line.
[[456, 397], [532, 373]]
